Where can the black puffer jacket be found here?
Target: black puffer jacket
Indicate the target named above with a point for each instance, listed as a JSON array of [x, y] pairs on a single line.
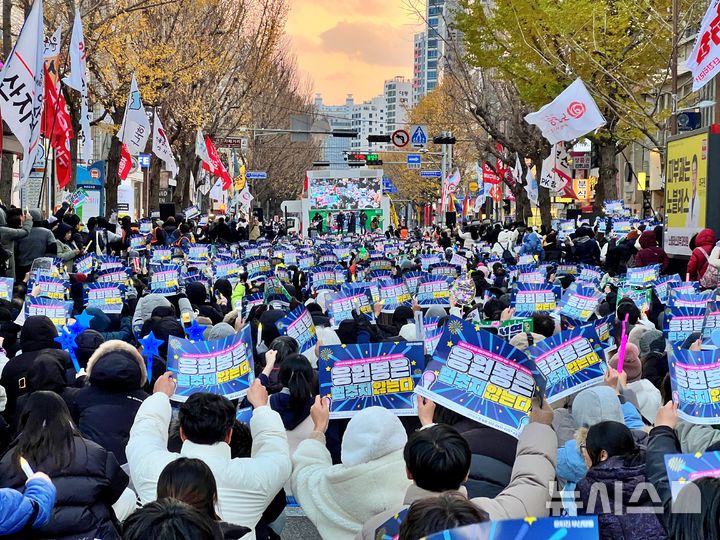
[[37, 334], [105, 409], [86, 490]]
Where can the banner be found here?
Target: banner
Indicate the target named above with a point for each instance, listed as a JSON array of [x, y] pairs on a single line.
[[579, 302], [572, 114], [644, 275], [434, 291], [550, 528], [57, 128], [214, 166], [21, 88], [570, 361], [394, 293], [685, 192], [298, 324], [529, 298], [480, 376], [358, 376], [58, 311], [135, 129], [680, 322], [107, 297], [695, 382], [704, 59], [223, 366], [340, 308]]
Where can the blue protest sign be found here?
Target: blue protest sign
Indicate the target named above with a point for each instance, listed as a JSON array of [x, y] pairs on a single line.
[[680, 322], [695, 382], [551, 528], [298, 324], [363, 375], [529, 298]]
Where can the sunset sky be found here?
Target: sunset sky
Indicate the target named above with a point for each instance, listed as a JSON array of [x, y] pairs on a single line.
[[352, 46]]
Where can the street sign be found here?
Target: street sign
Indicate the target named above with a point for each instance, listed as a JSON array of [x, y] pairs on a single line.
[[233, 142], [388, 186], [414, 161], [400, 138], [430, 174], [419, 136], [144, 161], [256, 175]]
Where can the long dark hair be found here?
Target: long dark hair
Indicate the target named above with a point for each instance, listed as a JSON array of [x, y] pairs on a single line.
[[45, 432], [613, 437], [296, 374], [191, 481]]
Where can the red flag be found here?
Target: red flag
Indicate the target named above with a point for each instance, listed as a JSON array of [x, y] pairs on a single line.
[[57, 128], [215, 167], [125, 163], [489, 176]]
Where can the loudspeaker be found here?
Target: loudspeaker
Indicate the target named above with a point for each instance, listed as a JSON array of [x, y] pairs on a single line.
[[450, 219], [167, 210]]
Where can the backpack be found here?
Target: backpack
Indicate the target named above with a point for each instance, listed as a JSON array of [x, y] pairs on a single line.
[[709, 279], [507, 256]]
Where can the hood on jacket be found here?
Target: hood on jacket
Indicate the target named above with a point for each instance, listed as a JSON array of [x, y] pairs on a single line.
[[705, 239], [596, 404], [371, 434], [3, 218], [196, 293], [48, 372], [38, 332], [648, 240], [162, 328], [148, 303], [87, 343], [117, 366], [100, 320]]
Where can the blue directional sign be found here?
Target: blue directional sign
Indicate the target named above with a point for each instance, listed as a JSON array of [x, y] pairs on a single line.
[[414, 161], [256, 175], [419, 136], [430, 174], [388, 186], [144, 161]]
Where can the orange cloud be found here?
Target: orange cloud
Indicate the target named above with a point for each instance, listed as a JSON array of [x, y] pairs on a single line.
[[351, 46]]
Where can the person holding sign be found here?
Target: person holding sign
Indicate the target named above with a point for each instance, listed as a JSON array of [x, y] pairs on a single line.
[[245, 486]]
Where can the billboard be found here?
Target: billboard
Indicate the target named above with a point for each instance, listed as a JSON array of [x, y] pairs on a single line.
[[686, 191], [345, 189]]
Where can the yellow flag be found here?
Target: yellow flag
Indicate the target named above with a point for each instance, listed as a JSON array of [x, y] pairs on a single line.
[[240, 179]]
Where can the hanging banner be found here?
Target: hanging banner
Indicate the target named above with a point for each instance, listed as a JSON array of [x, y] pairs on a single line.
[[358, 376]]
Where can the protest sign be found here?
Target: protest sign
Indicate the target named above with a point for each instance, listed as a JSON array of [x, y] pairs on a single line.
[[110, 262], [687, 287], [394, 293], [434, 291], [327, 259], [685, 468], [85, 264], [161, 254], [165, 279], [49, 287], [340, 307], [579, 302], [695, 382], [604, 329], [590, 274], [549, 528], [370, 288], [145, 226], [107, 297], [58, 311], [191, 212], [113, 275], [532, 278], [510, 328], [529, 298], [412, 280], [565, 228], [77, 198], [251, 251], [643, 275], [431, 333], [275, 294], [357, 376], [712, 318], [198, 254], [444, 269], [684, 299], [662, 287], [641, 297], [621, 227], [680, 322], [480, 376], [138, 242], [298, 324], [567, 270], [428, 260], [257, 268], [223, 366], [250, 300], [570, 361], [323, 278], [6, 288], [305, 262], [224, 267]]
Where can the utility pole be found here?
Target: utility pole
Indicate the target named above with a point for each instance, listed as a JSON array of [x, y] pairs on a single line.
[[674, 67]]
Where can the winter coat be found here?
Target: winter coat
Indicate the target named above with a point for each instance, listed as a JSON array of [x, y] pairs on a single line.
[[246, 486], [586, 251], [650, 252], [66, 254], [38, 334], [531, 244], [630, 472], [38, 243], [103, 323], [698, 263], [105, 409], [8, 237], [31, 509], [86, 490], [662, 441]]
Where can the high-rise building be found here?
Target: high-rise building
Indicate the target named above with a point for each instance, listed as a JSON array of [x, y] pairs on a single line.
[[339, 117], [419, 67], [398, 100], [369, 118]]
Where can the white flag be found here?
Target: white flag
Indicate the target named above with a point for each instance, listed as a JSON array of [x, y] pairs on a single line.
[[556, 171], [135, 128], [201, 148], [22, 89], [517, 170], [245, 198], [52, 44], [704, 60], [452, 182], [216, 192], [161, 147], [78, 81], [570, 115]]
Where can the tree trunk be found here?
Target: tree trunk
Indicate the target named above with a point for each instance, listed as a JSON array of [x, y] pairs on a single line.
[[113, 180], [154, 181], [606, 188], [543, 196], [523, 209]]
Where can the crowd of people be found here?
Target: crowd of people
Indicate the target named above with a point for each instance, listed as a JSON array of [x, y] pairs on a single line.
[[94, 445]]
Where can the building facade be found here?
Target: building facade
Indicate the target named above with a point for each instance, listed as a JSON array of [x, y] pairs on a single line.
[[339, 117], [398, 101]]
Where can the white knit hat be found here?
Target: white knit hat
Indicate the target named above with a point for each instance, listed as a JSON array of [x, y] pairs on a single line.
[[371, 434]]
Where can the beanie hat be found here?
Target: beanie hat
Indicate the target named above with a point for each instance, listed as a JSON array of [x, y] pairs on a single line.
[[371, 434], [520, 341], [651, 341], [596, 404], [632, 366], [636, 334], [219, 331]]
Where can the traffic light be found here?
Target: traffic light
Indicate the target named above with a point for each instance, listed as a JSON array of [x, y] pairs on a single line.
[[358, 159], [445, 138], [378, 138]]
